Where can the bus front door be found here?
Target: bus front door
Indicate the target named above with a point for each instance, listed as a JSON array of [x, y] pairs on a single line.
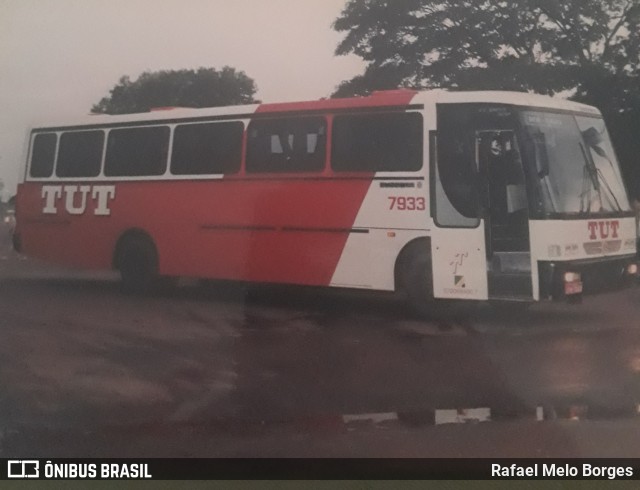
[[504, 207]]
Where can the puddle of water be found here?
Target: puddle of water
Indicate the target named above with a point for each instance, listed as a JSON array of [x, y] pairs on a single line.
[[463, 416], [374, 418]]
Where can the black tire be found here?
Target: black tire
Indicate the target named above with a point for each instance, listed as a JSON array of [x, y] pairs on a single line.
[[415, 277], [137, 261]]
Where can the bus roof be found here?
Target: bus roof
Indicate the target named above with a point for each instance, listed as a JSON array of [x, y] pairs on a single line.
[[390, 98], [503, 97]]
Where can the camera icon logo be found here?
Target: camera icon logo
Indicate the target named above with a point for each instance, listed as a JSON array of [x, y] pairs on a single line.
[[23, 468]]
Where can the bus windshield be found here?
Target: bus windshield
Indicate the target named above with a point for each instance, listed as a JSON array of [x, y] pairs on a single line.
[[575, 170]]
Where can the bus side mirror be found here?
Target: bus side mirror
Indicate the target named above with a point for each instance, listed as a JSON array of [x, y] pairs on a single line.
[[594, 140], [592, 137]]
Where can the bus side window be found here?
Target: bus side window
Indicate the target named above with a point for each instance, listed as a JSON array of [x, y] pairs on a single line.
[[389, 142], [286, 145], [205, 149], [43, 154], [80, 154], [455, 172], [136, 152], [458, 181]]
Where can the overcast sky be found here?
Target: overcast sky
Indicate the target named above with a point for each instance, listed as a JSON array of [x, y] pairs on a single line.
[[59, 57]]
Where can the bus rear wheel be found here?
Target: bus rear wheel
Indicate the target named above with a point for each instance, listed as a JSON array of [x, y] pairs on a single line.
[[137, 261]]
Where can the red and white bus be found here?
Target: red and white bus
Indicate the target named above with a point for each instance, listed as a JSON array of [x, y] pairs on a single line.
[[442, 195]]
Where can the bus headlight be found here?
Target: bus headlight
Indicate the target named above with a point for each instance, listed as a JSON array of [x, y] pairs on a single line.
[[571, 277], [632, 270], [572, 283]]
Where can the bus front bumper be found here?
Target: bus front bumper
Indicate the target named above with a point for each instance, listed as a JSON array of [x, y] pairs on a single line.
[[570, 280]]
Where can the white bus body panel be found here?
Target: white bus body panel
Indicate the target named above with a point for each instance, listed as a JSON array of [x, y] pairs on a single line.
[[459, 263], [592, 238], [368, 259]]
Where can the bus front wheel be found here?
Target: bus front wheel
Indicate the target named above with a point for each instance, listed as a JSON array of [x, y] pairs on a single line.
[[137, 261], [416, 277]]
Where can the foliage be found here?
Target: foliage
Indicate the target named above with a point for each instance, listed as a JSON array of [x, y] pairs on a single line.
[[542, 45], [204, 87], [588, 49]]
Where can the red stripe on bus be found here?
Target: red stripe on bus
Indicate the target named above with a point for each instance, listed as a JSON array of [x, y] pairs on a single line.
[[381, 99], [226, 229]]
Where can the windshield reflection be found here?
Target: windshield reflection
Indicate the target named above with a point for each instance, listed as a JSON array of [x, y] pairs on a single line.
[[576, 171]]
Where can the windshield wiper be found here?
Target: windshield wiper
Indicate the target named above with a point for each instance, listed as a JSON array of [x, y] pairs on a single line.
[[608, 187], [589, 173], [597, 177], [536, 149], [600, 151], [586, 191]]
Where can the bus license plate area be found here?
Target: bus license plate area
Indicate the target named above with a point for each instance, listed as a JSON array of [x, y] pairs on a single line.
[[571, 288]]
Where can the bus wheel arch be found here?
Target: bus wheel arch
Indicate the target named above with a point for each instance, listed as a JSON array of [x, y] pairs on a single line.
[[414, 275], [136, 258]]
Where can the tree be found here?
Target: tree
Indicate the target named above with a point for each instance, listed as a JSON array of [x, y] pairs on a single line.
[[542, 45], [204, 87], [588, 48]]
